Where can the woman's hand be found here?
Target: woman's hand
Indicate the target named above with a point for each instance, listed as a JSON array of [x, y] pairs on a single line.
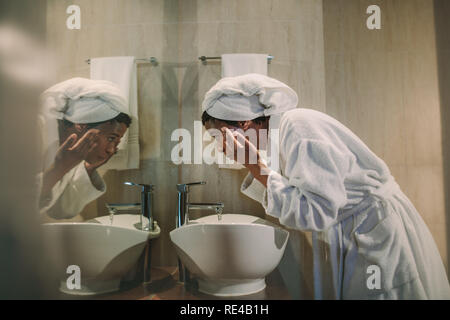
[[73, 151], [69, 154], [238, 148], [90, 167]]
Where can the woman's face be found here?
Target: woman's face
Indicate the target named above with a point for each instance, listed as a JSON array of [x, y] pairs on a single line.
[[107, 141], [218, 125], [215, 126]]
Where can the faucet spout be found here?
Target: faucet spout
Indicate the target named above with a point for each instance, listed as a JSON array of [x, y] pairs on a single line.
[[216, 206], [205, 206], [114, 207]]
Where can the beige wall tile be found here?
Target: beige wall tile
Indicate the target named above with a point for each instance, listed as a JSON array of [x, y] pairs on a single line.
[[424, 187], [383, 84]]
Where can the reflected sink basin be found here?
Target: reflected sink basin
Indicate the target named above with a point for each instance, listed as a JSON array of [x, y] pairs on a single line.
[[104, 252], [231, 256]]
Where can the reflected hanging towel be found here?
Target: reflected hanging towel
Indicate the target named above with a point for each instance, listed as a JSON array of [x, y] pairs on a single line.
[[122, 71]]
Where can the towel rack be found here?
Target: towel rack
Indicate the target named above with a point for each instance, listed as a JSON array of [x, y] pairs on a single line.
[[204, 58], [151, 60]]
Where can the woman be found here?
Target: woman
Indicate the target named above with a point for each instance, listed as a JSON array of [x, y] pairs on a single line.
[[330, 183], [83, 121]]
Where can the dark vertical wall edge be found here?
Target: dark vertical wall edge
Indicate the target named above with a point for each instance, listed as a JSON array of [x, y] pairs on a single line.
[[442, 26]]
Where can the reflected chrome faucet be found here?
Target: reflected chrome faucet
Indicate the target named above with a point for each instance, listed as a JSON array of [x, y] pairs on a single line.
[[146, 205], [146, 210], [183, 216]]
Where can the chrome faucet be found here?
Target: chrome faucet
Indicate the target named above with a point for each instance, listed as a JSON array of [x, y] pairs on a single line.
[[145, 206], [146, 210], [183, 216], [184, 205]]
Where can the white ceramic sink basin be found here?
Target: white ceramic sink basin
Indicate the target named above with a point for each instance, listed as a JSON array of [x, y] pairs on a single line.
[[230, 257], [104, 252]]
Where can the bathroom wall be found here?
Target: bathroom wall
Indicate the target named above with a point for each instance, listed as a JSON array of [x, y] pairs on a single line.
[[384, 85]]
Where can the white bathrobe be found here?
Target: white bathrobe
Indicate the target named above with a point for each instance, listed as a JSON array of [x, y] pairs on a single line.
[[330, 183]]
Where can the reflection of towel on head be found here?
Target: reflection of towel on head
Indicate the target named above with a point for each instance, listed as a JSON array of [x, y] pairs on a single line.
[[81, 100], [230, 98]]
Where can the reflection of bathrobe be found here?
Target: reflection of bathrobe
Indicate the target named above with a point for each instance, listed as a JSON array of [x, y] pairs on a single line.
[[333, 185], [73, 192]]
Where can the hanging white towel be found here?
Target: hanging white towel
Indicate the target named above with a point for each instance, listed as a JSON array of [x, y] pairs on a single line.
[[122, 71], [236, 64]]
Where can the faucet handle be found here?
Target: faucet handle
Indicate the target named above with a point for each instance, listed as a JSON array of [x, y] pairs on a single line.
[[184, 187], [145, 187]]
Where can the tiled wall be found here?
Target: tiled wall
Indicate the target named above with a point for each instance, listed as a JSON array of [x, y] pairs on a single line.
[[383, 84]]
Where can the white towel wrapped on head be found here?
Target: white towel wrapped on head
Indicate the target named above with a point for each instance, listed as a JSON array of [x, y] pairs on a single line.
[[274, 97], [248, 97]]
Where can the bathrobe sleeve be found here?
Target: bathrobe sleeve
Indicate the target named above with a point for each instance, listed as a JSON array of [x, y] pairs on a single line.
[[72, 193], [311, 192], [254, 189]]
